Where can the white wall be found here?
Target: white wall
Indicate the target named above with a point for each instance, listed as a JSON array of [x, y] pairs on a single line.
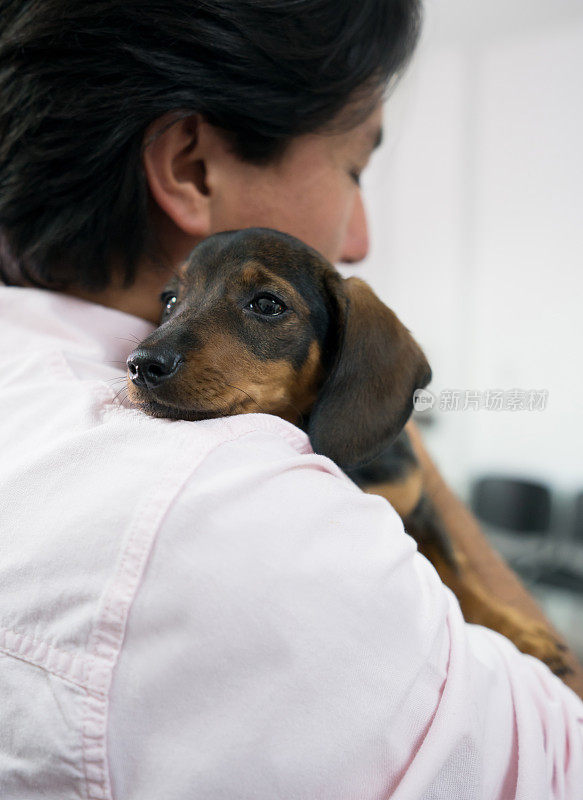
[[476, 216]]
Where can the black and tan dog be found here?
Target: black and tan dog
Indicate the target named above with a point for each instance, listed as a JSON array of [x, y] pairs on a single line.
[[256, 321]]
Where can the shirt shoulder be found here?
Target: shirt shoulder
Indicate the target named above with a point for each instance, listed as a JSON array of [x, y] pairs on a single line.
[[264, 592], [287, 640]]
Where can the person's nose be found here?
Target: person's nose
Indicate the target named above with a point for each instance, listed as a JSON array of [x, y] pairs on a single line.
[[355, 246]]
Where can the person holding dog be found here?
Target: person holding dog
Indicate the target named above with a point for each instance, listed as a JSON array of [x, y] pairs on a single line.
[[208, 609]]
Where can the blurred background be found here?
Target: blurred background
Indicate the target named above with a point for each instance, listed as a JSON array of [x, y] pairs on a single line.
[[475, 203]]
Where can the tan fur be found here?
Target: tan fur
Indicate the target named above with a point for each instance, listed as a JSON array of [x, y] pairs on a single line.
[[225, 375], [403, 495], [306, 384], [481, 608], [255, 273]]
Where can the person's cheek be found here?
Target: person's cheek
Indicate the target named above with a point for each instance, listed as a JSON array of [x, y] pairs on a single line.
[[317, 216]]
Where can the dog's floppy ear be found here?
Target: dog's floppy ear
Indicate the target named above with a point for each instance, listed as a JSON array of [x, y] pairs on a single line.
[[368, 395]]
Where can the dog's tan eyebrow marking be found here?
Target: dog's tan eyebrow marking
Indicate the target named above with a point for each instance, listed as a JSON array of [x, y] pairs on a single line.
[[255, 272], [183, 269], [193, 280]]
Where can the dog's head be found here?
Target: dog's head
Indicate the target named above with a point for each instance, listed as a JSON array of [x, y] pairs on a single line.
[[257, 321]]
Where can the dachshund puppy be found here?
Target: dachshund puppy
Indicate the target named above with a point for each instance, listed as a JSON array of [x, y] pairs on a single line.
[[257, 321]]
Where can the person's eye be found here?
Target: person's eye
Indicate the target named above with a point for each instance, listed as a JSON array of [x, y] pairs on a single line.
[[355, 175], [267, 305], [168, 300]]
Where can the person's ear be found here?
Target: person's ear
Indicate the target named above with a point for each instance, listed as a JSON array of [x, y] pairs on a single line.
[[367, 396], [175, 152]]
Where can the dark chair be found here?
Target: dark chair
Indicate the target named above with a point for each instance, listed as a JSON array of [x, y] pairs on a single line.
[[578, 519], [517, 514], [512, 504], [567, 571]]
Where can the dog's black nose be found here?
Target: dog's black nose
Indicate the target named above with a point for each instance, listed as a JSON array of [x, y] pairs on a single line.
[[149, 366]]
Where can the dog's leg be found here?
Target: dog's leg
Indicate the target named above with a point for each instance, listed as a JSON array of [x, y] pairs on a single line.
[[477, 604], [479, 607], [396, 476]]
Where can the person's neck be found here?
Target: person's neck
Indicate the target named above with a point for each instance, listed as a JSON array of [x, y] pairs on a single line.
[[142, 299]]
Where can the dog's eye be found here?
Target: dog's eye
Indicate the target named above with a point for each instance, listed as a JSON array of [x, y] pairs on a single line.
[[168, 300], [267, 305]]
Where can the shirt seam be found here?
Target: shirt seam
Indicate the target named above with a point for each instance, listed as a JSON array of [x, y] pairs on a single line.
[[64, 664]]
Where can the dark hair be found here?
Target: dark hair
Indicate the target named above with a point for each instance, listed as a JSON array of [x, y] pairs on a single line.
[[81, 80]]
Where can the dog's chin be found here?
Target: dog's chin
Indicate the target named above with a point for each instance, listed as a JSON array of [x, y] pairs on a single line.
[[155, 408]]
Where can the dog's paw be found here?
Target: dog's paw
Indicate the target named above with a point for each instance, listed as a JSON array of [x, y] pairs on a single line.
[[536, 640]]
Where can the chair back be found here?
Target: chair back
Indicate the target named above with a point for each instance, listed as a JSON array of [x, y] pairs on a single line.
[[514, 504]]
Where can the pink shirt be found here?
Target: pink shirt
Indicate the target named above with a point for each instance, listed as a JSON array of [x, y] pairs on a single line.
[[209, 610]]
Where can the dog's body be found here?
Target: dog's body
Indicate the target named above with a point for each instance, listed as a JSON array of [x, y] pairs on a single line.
[[258, 321]]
